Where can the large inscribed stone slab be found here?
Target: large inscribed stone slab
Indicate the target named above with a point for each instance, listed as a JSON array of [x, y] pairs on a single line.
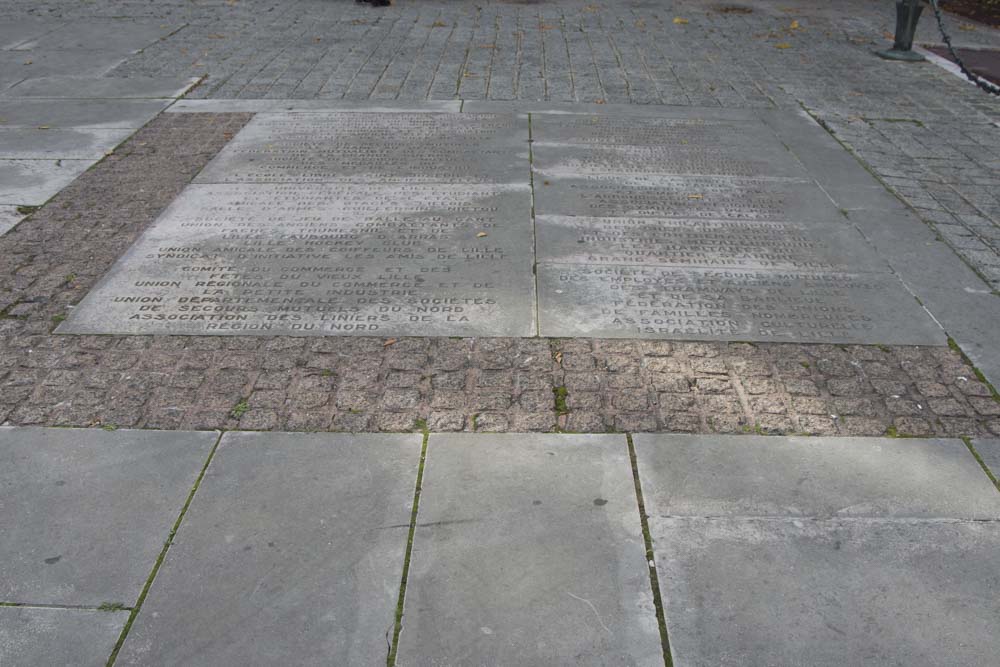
[[375, 148], [332, 259]]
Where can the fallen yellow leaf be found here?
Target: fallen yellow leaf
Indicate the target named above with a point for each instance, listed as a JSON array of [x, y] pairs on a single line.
[[783, 45], [481, 235], [794, 25], [966, 26], [679, 21], [696, 196]]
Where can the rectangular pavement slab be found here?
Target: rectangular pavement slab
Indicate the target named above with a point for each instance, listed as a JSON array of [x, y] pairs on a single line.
[[86, 511], [32, 64], [528, 551], [314, 106], [92, 87], [111, 35], [766, 476], [33, 182], [828, 593], [988, 450], [98, 114], [72, 144], [290, 553], [47, 636], [334, 259]]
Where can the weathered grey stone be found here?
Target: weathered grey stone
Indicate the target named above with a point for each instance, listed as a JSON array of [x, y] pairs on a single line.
[[528, 550], [106, 114], [92, 87], [989, 451], [300, 259], [763, 476], [111, 35], [555, 108], [704, 243], [682, 131], [616, 301], [14, 32], [375, 148], [665, 196], [835, 592], [9, 217], [44, 636], [340, 106], [33, 182], [86, 512], [291, 552], [22, 143], [39, 63]]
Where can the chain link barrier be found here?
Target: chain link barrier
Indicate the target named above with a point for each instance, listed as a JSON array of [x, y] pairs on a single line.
[[982, 83]]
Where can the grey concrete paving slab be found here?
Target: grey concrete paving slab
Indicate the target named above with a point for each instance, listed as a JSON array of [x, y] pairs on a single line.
[[9, 217], [58, 63], [33, 182], [378, 148], [98, 114], [92, 87], [620, 301], [989, 451], [47, 636], [765, 476], [113, 35], [528, 550], [666, 196], [14, 32], [333, 259], [291, 552], [560, 108], [665, 128], [70, 144], [739, 158], [704, 243], [340, 106], [789, 592], [86, 511]]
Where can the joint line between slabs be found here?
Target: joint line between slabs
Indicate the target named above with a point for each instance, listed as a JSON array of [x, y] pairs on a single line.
[[163, 554], [534, 224], [397, 627], [654, 579], [982, 464]]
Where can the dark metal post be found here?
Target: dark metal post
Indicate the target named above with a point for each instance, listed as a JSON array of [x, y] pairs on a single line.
[[907, 15]]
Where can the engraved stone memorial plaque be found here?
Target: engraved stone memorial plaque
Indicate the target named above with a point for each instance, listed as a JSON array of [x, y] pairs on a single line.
[[700, 224]]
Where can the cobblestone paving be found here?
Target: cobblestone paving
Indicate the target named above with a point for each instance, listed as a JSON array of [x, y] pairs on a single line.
[[926, 133], [359, 384]]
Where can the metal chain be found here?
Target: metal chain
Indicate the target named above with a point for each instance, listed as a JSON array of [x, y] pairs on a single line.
[[982, 83]]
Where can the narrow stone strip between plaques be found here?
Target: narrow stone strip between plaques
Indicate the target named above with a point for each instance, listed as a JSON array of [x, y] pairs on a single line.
[[107, 606], [654, 579], [163, 553], [393, 645], [982, 464], [534, 222]]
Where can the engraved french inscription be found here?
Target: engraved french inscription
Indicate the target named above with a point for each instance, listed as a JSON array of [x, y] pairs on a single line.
[[614, 301], [333, 259], [375, 148]]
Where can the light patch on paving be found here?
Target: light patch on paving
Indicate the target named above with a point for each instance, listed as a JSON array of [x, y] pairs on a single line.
[[106, 88], [86, 511], [9, 217], [290, 553], [528, 550], [822, 551], [989, 452], [33, 182], [41, 636], [96, 114], [71, 144]]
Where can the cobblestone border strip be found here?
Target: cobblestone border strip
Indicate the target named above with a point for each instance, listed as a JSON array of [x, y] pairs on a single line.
[[57, 254]]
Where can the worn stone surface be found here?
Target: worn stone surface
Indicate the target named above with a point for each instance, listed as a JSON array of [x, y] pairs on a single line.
[[785, 551], [291, 551], [40, 636], [103, 88], [71, 144], [756, 476], [33, 182], [829, 592], [9, 216], [989, 451], [528, 537], [95, 114], [86, 512]]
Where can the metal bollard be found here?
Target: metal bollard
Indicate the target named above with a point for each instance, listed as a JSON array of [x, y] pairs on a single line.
[[907, 15]]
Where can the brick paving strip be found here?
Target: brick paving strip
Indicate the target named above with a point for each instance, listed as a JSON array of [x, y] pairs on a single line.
[[358, 384]]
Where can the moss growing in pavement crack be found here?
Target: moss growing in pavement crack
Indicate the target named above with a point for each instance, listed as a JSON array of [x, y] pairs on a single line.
[[560, 394], [420, 424], [112, 606], [979, 375], [239, 409]]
